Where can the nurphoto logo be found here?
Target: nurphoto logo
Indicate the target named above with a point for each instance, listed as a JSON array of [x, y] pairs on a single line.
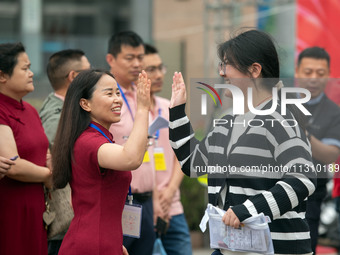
[[238, 99]]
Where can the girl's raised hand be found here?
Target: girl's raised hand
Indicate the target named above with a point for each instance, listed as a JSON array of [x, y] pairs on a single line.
[[179, 95]]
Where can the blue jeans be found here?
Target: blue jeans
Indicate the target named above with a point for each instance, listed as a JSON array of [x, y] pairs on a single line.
[[177, 240]]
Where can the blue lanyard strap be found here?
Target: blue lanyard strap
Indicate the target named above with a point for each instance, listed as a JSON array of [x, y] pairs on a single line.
[[125, 100], [100, 131], [159, 114]]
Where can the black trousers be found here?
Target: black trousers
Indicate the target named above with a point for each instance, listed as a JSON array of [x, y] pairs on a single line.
[[313, 212], [143, 245]]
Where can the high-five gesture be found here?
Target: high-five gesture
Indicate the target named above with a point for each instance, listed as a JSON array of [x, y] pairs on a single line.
[[179, 95], [143, 91]]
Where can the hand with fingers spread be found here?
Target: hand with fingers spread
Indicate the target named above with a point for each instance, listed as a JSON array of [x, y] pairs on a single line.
[[230, 219], [5, 165], [143, 91], [179, 95]]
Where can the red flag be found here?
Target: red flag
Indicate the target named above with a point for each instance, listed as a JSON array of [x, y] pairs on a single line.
[[318, 25]]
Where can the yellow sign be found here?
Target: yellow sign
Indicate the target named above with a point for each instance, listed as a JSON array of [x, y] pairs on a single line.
[[146, 158], [159, 158]]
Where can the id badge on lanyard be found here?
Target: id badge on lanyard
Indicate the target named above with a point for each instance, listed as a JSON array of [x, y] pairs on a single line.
[[131, 218], [132, 213]]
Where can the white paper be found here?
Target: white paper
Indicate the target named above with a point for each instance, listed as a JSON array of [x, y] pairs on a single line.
[[157, 124], [245, 238], [253, 236]]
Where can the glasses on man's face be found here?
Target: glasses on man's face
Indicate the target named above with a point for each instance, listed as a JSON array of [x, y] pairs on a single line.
[[151, 70], [221, 67]]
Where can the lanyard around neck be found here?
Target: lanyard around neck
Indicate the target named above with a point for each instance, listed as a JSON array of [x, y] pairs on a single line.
[[159, 114], [125, 100], [100, 131]]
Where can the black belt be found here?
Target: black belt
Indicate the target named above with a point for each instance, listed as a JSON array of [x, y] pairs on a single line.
[[142, 197]]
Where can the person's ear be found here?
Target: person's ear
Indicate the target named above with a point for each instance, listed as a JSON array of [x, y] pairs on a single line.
[[255, 70], [3, 77], [84, 103], [71, 75], [110, 59]]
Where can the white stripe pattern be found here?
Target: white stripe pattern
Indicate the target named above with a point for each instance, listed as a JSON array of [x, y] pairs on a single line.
[[244, 191], [252, 151], [290, 236], [290, 193], [216, 149], [214, 190], [272, 204], [290, 131], [293, 215], [179, 122], [181, 142], [250, 206], [300, 161], [307, 182], [290, 144]]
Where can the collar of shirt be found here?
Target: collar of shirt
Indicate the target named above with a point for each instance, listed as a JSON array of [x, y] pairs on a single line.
[[156, 107], [313, 101], [128, 91], [59, 96], [13, 102], [103, 129], [316, 100]]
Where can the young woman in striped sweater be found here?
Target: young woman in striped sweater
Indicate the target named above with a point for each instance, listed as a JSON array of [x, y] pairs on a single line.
[[282, 175]]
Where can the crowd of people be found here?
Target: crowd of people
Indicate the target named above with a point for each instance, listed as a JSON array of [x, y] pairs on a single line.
[[90, 141]]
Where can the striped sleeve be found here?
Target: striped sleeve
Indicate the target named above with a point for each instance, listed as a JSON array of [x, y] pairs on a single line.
[[292, 154], [182, 139]]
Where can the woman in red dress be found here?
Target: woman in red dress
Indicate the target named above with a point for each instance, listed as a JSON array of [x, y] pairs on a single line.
[[21, 134], [97, 169]]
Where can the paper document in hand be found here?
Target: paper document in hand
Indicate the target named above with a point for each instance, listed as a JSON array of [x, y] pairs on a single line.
[[245, 238], [157, 124], [253, 236]]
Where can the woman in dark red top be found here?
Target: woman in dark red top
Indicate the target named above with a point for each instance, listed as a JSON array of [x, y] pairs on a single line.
[[21, 134], [97, 169]]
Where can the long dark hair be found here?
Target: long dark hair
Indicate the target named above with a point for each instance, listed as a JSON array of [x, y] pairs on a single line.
[[254, 46], [73, 121]]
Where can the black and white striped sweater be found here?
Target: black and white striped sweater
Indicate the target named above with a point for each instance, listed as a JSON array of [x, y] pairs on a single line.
[[252, 184]]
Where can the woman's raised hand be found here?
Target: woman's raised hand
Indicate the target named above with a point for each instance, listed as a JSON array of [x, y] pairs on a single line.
[[179, 95], [143, 91]]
